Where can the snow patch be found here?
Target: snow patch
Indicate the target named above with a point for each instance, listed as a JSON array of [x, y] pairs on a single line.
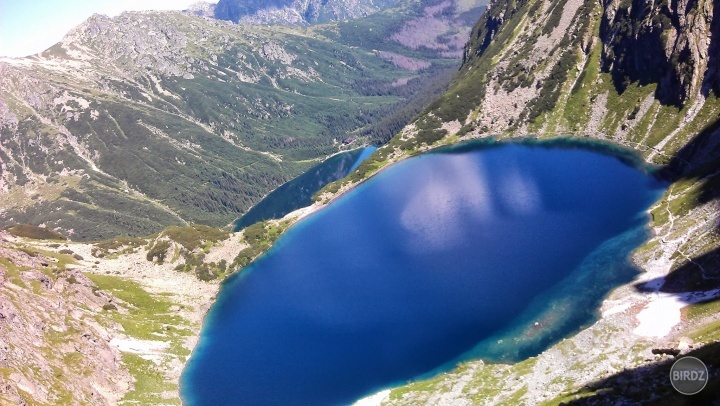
[[663, 312], [374, 400]]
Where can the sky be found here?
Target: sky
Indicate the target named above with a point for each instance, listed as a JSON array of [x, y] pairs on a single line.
[[31, 26]]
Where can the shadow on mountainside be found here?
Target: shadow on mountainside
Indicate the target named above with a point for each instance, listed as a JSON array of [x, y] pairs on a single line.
[[697, 161], [711, 81], [634, 50], [650, 384], [701, 273]]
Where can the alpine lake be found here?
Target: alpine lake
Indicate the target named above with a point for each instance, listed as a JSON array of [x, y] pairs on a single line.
[[485, 250]]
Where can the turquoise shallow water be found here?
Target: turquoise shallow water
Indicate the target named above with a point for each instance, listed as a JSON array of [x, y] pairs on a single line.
[[480, 252]]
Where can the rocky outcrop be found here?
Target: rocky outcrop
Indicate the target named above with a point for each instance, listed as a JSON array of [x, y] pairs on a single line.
[[52, 350], [201, 9], [100, 324], [664, 42], [538, 68]]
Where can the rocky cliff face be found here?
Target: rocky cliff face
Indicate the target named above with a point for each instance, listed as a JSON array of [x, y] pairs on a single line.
[[663, 42], [657, 51], [296, 12], [52, 349], [201, 9]]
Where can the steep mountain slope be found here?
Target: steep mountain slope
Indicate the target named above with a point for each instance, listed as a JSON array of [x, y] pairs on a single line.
[[296, 12], [44, 300], [149, 119], [642, 75], [100, 324]]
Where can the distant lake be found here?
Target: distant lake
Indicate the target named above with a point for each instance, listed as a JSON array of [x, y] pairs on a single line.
[[470, 252], [298, 192]]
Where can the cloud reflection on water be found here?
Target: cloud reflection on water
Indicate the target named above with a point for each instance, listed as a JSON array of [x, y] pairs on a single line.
[[460, 187]]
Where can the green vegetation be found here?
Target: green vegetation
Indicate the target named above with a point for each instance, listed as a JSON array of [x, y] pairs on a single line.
[[191, 243], [553, 20], [195, 236], [260, 237], [117, 246], [149, 313], [429, 131], [368, 167], [150, 383], [150, 317], [702, 309], [468, 89], [298, 192], [34, 232], [486, 382], [709, 331], [570, 47], [552, 86], [158, 252]]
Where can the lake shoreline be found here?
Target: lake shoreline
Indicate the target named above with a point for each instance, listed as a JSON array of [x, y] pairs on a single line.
[[618, 313], [135, 269], [307, 211]]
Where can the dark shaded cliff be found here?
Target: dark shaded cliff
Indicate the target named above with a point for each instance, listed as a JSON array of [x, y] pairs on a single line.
[[660, 42]]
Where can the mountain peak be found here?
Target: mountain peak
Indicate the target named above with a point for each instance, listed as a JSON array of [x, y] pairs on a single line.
[[201, 9]]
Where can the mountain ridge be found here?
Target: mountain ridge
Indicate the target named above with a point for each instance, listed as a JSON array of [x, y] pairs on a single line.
[[232, 110]]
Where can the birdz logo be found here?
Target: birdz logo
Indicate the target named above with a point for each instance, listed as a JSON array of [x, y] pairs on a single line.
[[688, 375]]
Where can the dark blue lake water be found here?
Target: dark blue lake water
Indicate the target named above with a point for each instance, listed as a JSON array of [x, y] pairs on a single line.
[[298, 192], [482, 252]]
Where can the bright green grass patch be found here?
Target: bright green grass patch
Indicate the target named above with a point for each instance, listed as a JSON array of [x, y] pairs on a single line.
[[680, 198], [576, 111], [119, 245], [130, 292], [429, 385], [668, 119], [149, 317], [702, 309], [149, 382], [515, 398], [707, 332], [622, 106]]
